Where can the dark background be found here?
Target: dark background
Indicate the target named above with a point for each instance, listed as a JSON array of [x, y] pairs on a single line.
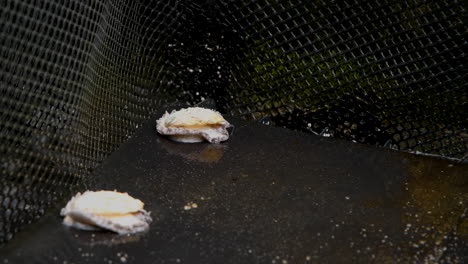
[[78, 78]]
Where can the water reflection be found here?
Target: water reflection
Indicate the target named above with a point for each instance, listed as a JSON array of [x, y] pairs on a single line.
[[103, 238], [200, 152]]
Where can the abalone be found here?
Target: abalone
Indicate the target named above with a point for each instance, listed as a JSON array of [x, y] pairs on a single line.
[[106, 210], [194, 124]]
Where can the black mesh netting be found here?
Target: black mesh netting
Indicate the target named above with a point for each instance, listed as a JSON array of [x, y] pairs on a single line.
[[77, 78]]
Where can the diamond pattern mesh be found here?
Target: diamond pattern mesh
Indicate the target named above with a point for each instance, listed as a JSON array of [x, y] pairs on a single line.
[[77, 78], [385, 72]]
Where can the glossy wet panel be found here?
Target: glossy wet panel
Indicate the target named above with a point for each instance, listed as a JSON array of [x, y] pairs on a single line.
[[268, 195]]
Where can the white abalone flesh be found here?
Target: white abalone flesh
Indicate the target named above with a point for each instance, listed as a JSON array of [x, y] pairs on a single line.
[[194, 124], [106, 210]]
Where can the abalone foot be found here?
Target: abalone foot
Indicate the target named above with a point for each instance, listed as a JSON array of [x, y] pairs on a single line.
[[187, 138]]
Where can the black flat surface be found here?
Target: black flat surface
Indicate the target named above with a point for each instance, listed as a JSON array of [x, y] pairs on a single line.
[[268, 195]]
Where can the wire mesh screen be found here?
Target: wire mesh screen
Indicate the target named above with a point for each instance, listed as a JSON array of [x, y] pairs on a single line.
[[77, 78], [377, 72]]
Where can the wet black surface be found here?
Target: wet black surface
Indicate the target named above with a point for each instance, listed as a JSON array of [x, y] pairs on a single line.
[[268, 195]]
